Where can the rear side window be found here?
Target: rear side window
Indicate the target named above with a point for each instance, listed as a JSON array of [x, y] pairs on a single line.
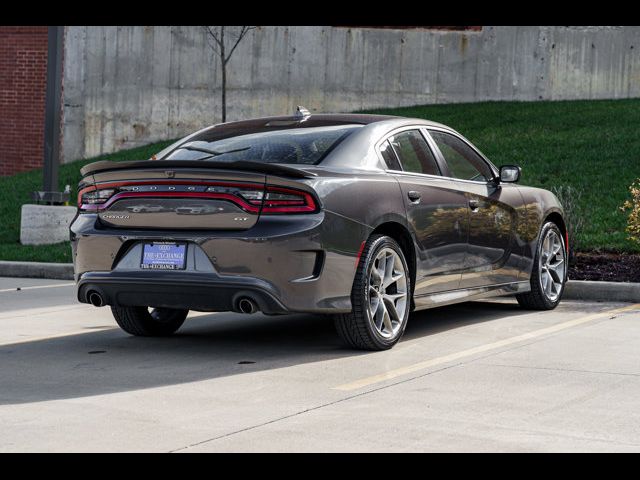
[[389, 156], [306, 146], [463, 161], [414, 152]]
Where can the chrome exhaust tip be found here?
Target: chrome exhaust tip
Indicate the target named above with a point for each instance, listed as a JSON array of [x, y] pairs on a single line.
[[95, 299], [246, 305]]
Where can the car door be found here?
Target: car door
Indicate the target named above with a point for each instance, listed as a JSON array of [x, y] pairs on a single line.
[[436, 210], [492, 218]]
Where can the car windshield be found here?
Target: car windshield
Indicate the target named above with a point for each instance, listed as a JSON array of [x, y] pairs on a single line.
[[307, 145]]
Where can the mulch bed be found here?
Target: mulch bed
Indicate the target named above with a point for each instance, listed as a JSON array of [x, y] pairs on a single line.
[[608, 267]]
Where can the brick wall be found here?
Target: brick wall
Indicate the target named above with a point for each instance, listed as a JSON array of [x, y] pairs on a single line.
[[23, 65]]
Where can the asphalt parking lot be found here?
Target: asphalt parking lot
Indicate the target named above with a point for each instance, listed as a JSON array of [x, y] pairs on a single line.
[[482, 376]]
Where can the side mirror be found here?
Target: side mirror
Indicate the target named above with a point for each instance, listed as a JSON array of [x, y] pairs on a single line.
[[510, 173]]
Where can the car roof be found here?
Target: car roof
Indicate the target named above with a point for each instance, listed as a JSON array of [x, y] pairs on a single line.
[[322, 119], [316, 120], [355, 150], [370, 123]]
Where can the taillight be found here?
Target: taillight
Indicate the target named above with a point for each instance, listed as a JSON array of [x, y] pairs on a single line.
[[93, 196], [288, 200], [250, 195]]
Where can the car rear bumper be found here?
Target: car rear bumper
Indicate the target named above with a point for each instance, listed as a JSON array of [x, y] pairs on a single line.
[[204, 292], [289, 264]]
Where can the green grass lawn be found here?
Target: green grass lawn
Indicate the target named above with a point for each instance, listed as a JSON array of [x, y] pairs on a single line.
[[16, 190], [592, 146]]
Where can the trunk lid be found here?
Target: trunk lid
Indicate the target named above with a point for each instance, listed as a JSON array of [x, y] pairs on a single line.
[[181, 197]]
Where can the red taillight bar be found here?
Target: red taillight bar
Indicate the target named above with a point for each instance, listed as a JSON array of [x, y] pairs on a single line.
[[305, 203], [165, 182], [219, 196]]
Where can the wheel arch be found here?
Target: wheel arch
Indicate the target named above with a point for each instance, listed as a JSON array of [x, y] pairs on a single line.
[[557, 218], [401, 234]]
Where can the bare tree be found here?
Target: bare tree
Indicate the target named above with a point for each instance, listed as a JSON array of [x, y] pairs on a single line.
[[218, 37]]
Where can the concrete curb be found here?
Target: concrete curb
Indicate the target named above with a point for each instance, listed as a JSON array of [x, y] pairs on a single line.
[[54, 271], [606, 291], [574, 290]]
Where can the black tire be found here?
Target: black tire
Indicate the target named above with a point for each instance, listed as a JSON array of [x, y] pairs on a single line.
[[140, 322], [356, 328], [536, 299]]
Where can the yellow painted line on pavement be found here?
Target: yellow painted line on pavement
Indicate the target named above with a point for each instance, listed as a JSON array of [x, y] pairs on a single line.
[[398, 372], [15, 289]]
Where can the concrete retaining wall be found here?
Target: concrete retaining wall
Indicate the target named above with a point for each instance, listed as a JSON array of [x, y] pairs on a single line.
[[128, 86]]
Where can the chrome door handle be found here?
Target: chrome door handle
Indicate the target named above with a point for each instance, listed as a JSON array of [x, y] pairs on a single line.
[[413, 195]]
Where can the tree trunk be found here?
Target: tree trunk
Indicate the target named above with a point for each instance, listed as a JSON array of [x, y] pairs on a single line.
[[224, 93]]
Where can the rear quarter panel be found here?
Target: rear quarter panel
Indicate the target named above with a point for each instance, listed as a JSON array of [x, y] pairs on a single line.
[[367, 198], [353, 204], [538, 205]]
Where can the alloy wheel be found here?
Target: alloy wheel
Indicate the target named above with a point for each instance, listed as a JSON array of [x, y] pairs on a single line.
[[387, 293], [552, 265]]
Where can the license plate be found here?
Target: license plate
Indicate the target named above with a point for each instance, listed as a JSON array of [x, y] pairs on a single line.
[[163, 256]]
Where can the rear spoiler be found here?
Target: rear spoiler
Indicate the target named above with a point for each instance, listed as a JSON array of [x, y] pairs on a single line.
[[272, 168]]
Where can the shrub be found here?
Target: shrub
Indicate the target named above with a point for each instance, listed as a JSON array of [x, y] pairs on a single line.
[[633, 220], [571, 198]]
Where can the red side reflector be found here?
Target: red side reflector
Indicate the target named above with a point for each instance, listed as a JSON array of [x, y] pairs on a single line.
[[360, 253]]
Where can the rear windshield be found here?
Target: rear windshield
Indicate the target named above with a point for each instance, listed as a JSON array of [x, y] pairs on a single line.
[[306, 146]]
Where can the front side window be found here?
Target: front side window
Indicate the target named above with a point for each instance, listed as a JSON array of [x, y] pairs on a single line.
[[306, 146], [414, 153], [463, 161]]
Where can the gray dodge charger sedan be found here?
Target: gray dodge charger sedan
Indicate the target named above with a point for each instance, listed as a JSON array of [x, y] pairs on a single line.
[[363, 217]]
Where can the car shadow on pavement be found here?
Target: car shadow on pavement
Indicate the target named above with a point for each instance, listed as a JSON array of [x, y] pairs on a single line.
[[207, 347]]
